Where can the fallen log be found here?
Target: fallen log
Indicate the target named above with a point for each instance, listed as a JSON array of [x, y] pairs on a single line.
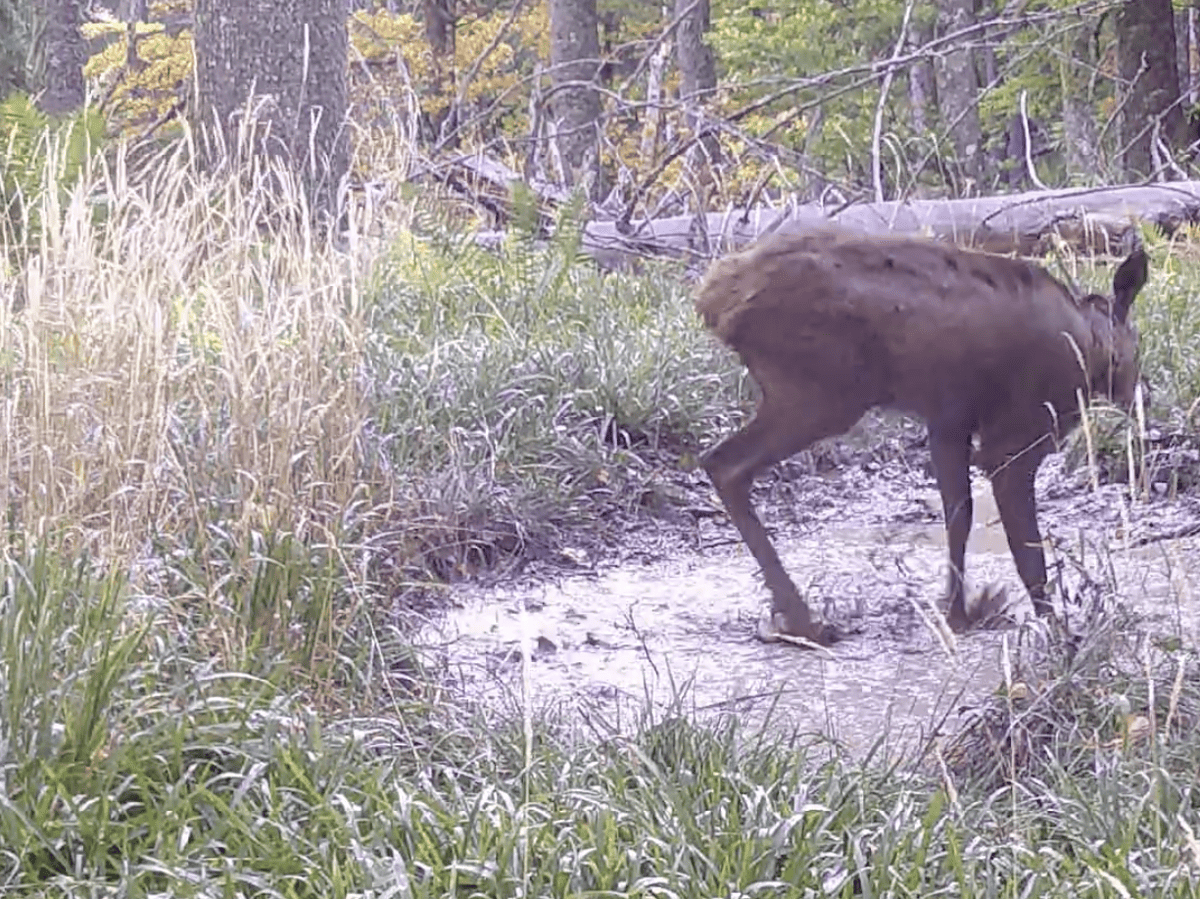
[[1095, 220]]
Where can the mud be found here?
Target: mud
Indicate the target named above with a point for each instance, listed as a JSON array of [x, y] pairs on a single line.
[[866, 544]]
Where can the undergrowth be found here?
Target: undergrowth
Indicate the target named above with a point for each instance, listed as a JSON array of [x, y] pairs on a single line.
[[131, 765], [529, 389], [227, 448]]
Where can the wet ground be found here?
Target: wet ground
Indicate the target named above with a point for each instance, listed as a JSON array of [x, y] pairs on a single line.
[[866, 544]]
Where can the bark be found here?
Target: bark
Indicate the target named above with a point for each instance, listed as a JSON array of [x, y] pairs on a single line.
[[652, 121], [1080, 133], [1024, 141], [1191, 83], [1183, 50], [271, 80], [697, 69], [958, 89], [440, 18], [64, 54], [575, 62], [922, 92], [131, 12], [1146, 64], [16, 35]]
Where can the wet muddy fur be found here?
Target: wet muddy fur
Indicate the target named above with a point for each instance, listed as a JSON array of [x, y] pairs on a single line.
[[832, 323]]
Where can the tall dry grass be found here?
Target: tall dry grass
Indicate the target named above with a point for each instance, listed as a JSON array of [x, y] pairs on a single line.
[[186, 360]]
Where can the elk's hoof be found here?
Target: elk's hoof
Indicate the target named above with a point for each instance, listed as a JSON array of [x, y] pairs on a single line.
[[991, 609], [775, 629], [958, 621]]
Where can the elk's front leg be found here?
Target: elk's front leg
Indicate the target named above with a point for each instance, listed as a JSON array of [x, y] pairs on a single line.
[[950, 449], [1012, 484]]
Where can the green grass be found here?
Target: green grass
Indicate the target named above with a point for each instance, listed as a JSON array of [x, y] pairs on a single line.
[[529, 389], [132, 766], [229, 448], [196, 374], [1169, 322]]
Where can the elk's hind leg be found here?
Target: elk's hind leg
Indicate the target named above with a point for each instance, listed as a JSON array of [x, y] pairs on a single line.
[[778, 430], [950, 451]]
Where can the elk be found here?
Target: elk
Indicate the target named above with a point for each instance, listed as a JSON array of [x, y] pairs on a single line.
[[831, 323]]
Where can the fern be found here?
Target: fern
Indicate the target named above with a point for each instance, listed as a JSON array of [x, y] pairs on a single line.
[[39, 153]]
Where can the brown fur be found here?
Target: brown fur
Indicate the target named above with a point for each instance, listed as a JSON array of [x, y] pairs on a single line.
[[832, 323]]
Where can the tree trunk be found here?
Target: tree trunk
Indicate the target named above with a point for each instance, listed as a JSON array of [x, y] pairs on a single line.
[[575, 63], [1080, 136], [1146, 63], [652, 121], [271, 80], [1183, 50], [63, 55], [958, 89], [697, 68], [16, 35], [1192, 84], [441, 18], [922, 92]]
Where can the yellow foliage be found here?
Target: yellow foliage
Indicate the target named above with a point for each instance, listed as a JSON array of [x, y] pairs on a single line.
[[143, 94], [380, 36], [393, 70]]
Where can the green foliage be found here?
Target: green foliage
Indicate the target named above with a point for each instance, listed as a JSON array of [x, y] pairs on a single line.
[[139, 94], [801, 42], [39, 151], [798, 38], [132, 765], [825, 64], [513, 383], [1169, 320], [113, 737]]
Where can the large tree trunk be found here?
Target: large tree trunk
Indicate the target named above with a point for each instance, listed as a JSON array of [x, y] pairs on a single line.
[[1078, 61], [958, 90], [697, 67], [1183, 49], [271, 80], [63, 55], [1189, 83], [1146, 61], [575, 63]]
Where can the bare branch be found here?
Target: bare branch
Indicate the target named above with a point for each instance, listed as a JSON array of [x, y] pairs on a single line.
[[1030, 170], [876, 164]]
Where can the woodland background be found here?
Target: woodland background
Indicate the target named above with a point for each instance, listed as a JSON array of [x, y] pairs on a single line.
[[648, 109]]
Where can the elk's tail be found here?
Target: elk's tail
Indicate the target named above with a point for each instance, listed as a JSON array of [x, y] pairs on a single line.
[[726, 291]]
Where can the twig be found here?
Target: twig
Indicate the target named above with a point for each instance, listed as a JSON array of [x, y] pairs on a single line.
[[1033, 175], [876, 162], [657, 43]]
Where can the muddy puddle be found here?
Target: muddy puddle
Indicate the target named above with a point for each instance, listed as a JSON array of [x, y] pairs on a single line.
[[872, 558]]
